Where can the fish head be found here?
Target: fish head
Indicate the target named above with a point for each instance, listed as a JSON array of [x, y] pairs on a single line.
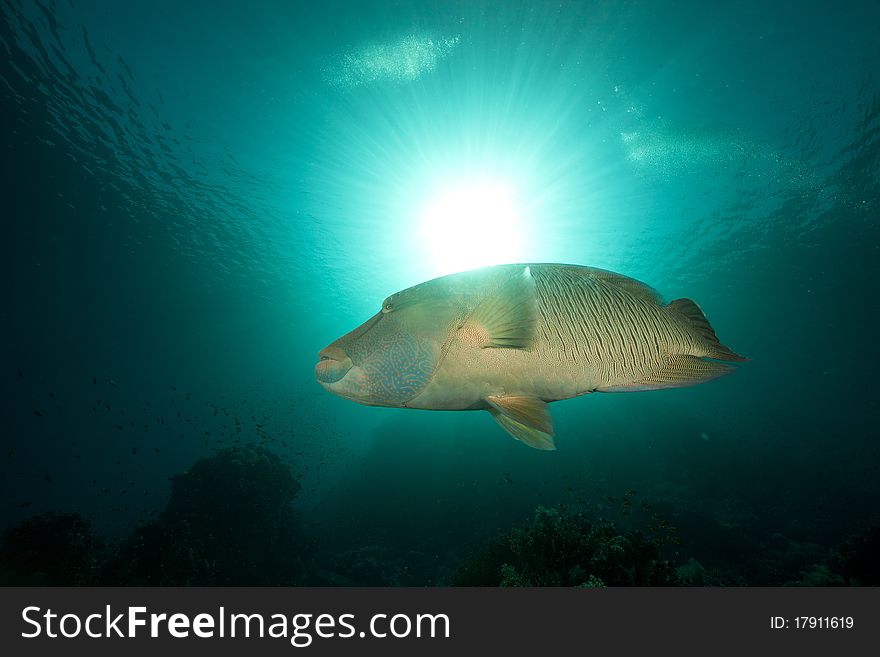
[[387, 360]]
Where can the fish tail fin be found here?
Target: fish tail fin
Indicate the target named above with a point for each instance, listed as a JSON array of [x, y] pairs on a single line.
[[696, 320]]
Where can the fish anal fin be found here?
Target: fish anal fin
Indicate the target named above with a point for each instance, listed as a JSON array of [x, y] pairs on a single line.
[[528, 435], [681, 371], [691, 313], [508, 317]]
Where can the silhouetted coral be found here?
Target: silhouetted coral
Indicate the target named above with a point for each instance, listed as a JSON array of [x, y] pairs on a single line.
[[51, 549], [229, 522], [567, 549], [856, 558], [818, 575], [373, 565], [851, 563]]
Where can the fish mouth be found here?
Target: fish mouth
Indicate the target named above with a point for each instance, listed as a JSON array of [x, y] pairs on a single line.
[[333, 365]]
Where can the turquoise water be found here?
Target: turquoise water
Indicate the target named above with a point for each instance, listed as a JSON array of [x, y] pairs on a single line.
[[198, 198]]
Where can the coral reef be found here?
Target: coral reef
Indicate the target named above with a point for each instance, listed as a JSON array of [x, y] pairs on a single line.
[[561, 548], [229, 522], [852, 563], [373, 565], [856, 558], [50, 549]]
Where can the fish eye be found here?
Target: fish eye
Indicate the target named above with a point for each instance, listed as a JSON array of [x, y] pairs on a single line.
[[387, 306]]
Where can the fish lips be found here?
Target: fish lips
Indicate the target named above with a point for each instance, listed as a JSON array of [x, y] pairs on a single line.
[[333, 365]]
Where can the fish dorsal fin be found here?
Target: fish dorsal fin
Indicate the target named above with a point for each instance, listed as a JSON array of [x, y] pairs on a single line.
[[631, 285], [524, 417], [697, 320], [507, 318]]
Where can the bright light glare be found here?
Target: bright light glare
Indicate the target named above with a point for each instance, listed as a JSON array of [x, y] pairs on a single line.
[[472, 225]]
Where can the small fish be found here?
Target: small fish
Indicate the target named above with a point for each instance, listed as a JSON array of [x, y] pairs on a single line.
[[511, 338], [24, 505]]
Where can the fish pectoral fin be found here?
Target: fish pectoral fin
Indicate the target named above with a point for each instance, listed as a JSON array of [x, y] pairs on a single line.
[[525, 409], [529, 435], [509, 316], [679, 372], [525, 418]]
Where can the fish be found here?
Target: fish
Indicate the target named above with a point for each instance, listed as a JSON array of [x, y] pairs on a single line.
[[510, 339]]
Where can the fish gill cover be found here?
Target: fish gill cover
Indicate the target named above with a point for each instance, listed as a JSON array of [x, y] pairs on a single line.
[[193, 208]]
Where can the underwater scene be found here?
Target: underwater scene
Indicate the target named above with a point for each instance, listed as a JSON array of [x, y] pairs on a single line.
[[461, 293]]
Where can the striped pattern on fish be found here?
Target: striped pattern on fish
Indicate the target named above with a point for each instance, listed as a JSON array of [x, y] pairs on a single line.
[[511, 338]]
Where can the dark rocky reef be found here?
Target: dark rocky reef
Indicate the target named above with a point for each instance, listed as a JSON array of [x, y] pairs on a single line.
[[229, 522], [50, 549], [563, 548]]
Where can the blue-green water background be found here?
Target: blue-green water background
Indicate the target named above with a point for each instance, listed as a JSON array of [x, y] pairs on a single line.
[[196, 197]]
